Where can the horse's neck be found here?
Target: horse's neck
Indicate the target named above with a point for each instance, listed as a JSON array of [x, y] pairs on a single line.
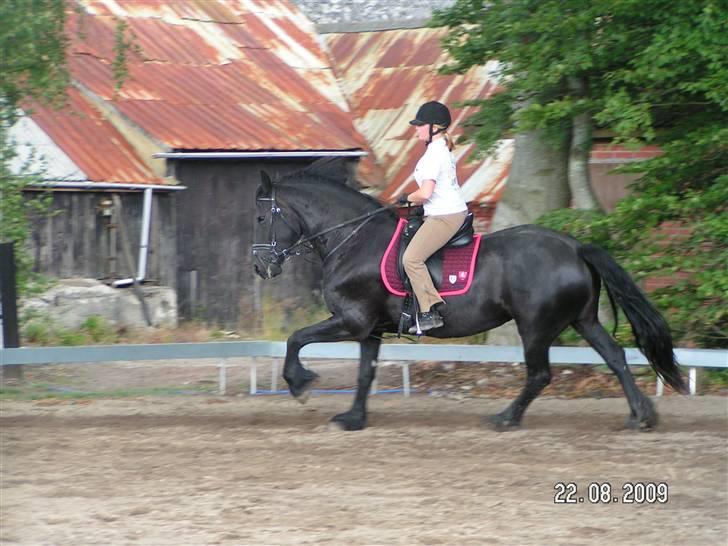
[[320, 209]]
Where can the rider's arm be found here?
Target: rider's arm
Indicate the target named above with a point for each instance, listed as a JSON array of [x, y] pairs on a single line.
[[423, 194]]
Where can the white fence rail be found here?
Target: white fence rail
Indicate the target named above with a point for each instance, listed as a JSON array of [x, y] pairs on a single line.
[[397, 352]]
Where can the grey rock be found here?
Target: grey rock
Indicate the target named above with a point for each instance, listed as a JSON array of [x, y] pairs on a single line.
[[71, 301]]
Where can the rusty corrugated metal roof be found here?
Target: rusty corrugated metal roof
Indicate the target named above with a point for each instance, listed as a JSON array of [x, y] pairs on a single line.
[[216, 75], [386, 76], [92, 143]]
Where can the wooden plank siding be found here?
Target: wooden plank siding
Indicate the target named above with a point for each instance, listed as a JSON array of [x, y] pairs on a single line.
[[215, 217], [73, 240]]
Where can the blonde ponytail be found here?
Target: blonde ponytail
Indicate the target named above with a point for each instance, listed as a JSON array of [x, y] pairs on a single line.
[[446, 136], [450, 143]]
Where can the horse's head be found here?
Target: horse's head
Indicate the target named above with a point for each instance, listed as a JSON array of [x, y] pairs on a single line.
[[274, 231]]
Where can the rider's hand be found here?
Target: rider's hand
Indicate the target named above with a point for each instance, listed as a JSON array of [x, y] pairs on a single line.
[[402, 200]]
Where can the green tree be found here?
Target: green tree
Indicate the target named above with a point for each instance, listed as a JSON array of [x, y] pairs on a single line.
[[649, 71], [33, 44], [551, 55], [33, 60], [673, 91], [32, 67]]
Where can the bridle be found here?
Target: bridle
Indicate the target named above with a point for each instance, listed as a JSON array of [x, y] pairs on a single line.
[[268, 254]]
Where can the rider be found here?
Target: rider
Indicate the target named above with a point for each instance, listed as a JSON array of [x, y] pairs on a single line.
[[445, 209]]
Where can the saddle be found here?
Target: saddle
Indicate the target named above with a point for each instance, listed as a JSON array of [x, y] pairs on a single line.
[[463, 237], [451, 268]]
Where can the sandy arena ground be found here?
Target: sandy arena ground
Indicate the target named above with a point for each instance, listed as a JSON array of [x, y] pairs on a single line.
[[199, 470]]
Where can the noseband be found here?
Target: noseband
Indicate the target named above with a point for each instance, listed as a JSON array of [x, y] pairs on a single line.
[[268, 253]]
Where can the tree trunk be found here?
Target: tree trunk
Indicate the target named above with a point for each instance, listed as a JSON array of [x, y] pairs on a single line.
[[536, 184], [579, 149]]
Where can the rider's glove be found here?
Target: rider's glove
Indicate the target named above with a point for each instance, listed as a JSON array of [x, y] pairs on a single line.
[[402, 200]]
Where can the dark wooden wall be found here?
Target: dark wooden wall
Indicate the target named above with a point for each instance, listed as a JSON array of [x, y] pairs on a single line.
[[215, 215], [200, 242], [75, 240]]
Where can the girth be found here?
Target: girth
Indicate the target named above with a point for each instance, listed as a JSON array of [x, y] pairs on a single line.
[[462, 237]]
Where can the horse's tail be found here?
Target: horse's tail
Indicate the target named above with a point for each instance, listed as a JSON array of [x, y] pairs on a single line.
[[651, 332]]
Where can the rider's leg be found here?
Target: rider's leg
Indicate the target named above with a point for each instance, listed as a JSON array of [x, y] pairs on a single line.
[[431, 237]]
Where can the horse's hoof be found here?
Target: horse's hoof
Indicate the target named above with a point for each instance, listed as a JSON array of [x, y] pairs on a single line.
[[347, 421], [646, 424], [301, 390], [499, 423], [335, 426], [647, 419]]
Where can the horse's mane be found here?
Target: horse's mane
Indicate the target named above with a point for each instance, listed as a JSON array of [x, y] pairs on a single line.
[[331, 172]]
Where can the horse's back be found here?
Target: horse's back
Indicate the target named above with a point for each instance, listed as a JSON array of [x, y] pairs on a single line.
[[535, 265]]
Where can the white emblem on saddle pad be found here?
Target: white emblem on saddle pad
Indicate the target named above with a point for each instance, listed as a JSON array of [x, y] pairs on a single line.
[[452, 278]]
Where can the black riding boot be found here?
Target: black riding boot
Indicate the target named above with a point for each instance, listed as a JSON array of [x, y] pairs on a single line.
[[429, 320]]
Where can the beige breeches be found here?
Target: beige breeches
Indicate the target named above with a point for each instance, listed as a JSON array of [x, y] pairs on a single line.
[[431, 237]]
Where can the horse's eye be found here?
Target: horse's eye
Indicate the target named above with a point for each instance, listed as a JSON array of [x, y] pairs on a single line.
[[261, 219]]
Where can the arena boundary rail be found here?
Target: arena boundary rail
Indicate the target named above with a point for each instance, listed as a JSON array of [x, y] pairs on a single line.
[[390, 353]]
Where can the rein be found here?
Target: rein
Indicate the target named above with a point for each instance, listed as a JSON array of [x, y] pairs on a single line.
[[286, 252]]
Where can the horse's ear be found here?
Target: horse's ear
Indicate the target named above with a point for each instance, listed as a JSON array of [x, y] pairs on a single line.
[[266, 182]]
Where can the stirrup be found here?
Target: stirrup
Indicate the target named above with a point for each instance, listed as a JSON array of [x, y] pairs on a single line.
[[431, 320]]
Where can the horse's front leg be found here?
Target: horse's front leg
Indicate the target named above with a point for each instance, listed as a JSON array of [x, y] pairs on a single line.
[[356, 417], [300, 380]]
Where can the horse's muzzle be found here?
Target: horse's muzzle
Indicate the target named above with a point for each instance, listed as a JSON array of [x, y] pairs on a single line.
[[268, 271]]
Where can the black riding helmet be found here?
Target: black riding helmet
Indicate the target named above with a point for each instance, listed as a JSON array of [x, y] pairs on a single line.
[[433, 113]]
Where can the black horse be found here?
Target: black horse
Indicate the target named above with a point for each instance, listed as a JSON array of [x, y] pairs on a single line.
[[544, 280]]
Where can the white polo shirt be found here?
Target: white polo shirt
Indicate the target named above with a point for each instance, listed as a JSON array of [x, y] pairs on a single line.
[[438, 164]]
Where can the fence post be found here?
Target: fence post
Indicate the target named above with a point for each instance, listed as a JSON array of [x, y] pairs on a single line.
[[254, 376], [9, 308], [222, 378]]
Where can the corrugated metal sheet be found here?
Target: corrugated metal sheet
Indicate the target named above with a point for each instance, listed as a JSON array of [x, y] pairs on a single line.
[[216, 75], [385, 77], [91, 143]]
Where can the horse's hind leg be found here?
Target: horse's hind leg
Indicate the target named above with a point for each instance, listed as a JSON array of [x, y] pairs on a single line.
[[642, 413], [356, 417], [538, 376]]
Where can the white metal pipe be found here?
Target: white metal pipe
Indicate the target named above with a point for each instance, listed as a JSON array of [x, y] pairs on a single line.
[[660, 386], [259, 155], [105, 186], [146, 228], [693, 381], [143, 243]]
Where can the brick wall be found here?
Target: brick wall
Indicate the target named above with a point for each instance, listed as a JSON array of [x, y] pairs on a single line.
[[667, 233]]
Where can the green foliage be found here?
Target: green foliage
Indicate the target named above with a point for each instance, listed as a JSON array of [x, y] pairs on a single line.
[[717, 377], [123, 45], [32, 67], [589, 226], [17, 211], [280, 318], [46, 391], [33, 44], [33, 54], [648, 71], [37, 329], [697, 306], [551, 56]]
